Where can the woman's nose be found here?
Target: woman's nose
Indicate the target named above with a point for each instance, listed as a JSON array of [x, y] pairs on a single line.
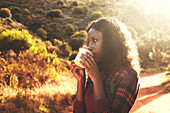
[[90, 46]]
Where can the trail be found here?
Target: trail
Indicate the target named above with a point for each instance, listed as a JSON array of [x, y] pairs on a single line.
[[152, 97]]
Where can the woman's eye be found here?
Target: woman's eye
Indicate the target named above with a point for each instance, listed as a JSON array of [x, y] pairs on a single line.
[[94, 40]]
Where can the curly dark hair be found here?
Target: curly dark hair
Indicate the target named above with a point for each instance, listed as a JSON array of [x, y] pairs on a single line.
[[119, 49]]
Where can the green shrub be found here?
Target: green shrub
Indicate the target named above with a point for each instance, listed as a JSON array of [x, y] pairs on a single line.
[[5, 12], [42, 33], [93, 4], [76, 43], [73, 55], [55, 49], [77, 39], [26, 11], [77, 34], [60, 2], [69, 29], [56, 13], [63, 47], [75, 3], [66, 49], [17, 17], [15, 10], [57, 42], [15, 40], [78, 10], [86, 8], [96, 15], [48, 43]]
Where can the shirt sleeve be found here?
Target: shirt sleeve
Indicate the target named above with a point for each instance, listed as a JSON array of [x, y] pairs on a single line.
[[79, 107], [124, 96]]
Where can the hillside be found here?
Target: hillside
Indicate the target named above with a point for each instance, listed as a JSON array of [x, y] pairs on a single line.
[[39, 38]]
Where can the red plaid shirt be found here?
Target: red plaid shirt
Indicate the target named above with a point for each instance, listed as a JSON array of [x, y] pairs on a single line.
[[121, 89]]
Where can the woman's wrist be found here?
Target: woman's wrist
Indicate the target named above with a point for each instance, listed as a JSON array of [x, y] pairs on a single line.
[[99, 89], [80, 89]]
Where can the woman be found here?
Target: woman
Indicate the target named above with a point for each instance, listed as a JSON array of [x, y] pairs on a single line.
[[112, 83]]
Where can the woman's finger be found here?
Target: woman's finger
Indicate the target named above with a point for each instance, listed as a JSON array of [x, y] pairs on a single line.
[[86, 60]]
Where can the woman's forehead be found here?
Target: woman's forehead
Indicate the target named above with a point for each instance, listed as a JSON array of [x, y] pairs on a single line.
[[94, 33]]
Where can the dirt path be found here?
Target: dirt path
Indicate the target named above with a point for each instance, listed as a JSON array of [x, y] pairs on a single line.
[[152, 97]]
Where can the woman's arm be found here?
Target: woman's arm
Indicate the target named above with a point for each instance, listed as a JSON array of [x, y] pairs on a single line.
[[79, 73]]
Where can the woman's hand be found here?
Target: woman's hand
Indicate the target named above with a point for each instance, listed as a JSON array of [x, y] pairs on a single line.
[[93, 72], [90, 66], [78, 72]]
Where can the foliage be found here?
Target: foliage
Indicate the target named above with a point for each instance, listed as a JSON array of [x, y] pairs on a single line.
[[60, 2], [78, 10], [155, 70], [96, 15], [15, 10], [42, 33], [75, 3], [35, 103], [79, 34], [16, 40], [73, 55], [77, 39], [26, 11], [56, 13], [86, 8], [17, 17], [69, 29], [32, 68], [165, 78], [76, 43], [5, 12], [62, 48], [159, 46]]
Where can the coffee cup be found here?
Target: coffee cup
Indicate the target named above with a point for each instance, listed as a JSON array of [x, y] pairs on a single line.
[[78, 59]]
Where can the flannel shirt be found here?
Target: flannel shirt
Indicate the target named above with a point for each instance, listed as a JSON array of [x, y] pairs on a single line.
[[121, 89]]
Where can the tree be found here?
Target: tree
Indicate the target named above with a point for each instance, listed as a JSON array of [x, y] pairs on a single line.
[[158, 46]]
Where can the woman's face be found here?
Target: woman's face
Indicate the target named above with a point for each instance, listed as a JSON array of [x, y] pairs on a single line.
[[95, 41]]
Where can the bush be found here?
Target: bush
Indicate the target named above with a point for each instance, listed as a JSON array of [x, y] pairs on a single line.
[[78, 10], [96, 15], [63, 47], [48, 43], [5, 12], [69, 29], [77, 34], [56, 13], [60, 2], [15, 40], [15, 10], [86, 8], [93, 4], [66, 49], [75, 3], [73, 55], [42, 33], [26, 11], [17, 17], [76, 43]]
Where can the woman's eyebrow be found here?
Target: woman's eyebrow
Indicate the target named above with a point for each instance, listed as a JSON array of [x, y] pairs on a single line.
[[95, 36]]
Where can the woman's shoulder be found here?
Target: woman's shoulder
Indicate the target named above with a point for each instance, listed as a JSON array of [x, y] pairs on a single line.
[[122, 73]]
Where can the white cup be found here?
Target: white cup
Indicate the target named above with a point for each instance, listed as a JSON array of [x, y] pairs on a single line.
[[81, 51]]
